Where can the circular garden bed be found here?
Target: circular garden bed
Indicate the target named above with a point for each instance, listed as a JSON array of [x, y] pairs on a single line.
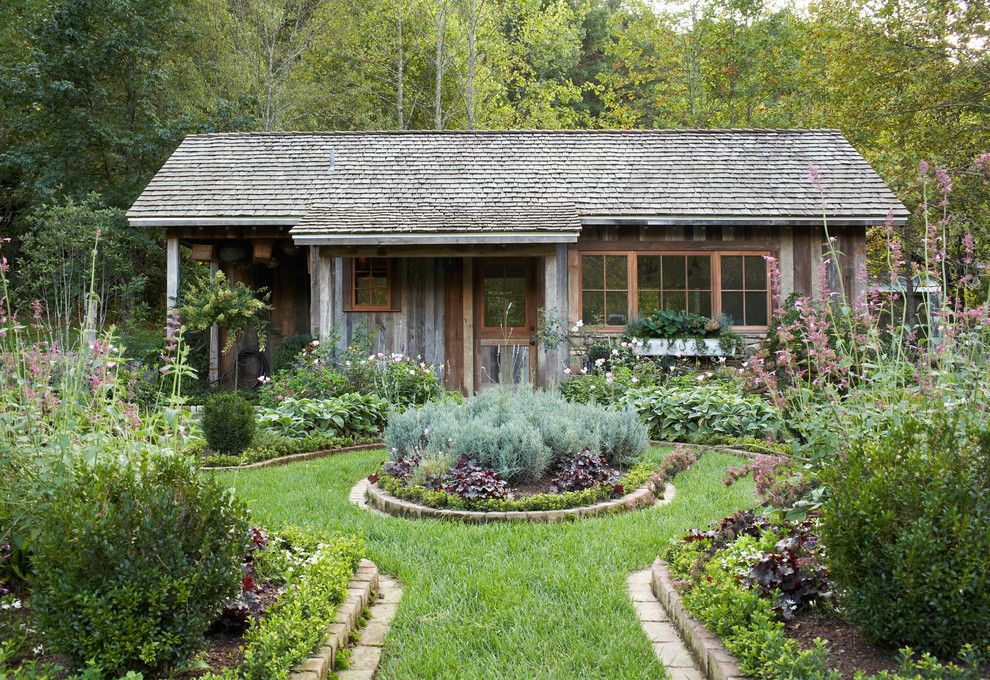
[[515, 509], [523, 455]]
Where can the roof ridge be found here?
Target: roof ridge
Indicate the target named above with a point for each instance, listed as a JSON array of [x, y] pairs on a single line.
[[513, 131]]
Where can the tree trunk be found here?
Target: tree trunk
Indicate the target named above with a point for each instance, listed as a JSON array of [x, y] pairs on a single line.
[[400, 70], [441, 21]]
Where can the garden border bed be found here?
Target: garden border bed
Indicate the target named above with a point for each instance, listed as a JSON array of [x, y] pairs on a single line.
[[296, 457], [713, 658], [657, 490], [320, 663]]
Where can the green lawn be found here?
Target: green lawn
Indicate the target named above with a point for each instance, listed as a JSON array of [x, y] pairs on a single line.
[[501, 600]]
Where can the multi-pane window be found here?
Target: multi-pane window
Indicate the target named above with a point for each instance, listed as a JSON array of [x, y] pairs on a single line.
[[371, 286], [678, 282], [605, 289], [617, 286], [744, 289]]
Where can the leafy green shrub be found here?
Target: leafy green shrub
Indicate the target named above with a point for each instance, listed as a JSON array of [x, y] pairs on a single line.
[[133, 560], [321, 371], [315, 569], [287, 352], [517, 434], [228, 422], [351, 414], [680, 411], [907, 532], [596, 387]]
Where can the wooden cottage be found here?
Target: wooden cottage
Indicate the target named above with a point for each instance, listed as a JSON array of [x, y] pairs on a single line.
[[447, 245]]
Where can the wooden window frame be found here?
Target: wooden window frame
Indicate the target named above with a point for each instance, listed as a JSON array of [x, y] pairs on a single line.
[[630, 273], [742, 328], [632, 285], [350, 294]]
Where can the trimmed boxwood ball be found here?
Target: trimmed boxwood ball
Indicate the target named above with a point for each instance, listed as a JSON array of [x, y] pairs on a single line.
[[133, 562], [228, 422], [906, 529]]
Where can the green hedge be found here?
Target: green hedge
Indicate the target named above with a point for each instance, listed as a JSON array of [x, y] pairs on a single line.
[[315, 570], [906, 527]]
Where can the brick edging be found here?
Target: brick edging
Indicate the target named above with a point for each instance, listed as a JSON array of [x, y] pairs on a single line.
[[296, 457], [701, 448], [644, 496], [714, 659], [320, 663]]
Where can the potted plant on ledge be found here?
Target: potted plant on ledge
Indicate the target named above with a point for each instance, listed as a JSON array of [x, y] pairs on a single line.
[[668, 332]]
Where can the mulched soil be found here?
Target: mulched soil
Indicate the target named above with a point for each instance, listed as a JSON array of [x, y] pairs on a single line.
[[533, 488], [849, 649]]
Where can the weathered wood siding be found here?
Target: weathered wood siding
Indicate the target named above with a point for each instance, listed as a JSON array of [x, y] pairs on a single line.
[[417, 328]]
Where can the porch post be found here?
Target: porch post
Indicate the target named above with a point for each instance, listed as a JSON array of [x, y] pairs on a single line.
[[214, 373], [467, 302], [322, 293], [554, 309], [171, 272]]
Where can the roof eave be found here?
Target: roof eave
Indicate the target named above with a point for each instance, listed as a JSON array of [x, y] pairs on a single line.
[[214, 221], [730, 220], [414, 239]]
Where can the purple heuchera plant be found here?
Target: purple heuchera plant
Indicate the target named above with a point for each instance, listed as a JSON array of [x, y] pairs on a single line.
[[469, 480], [584, 471]]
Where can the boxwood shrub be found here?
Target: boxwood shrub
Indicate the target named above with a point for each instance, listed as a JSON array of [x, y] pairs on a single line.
[[133, 560], [907, 529], [228, 422]]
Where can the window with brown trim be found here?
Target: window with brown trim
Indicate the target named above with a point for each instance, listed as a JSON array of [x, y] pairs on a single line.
[[677, 282], [371, 284], [745, 292], [619, 285], [605, 289]]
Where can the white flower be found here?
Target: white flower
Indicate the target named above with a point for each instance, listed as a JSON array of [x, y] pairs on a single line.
[[39, 650], [721, 360], [567, 371], [608, 377], [599, 362], [583, 371], [635, 379], [412, 371], [700, 378], [264, 379], [615, 352], [315, 343]]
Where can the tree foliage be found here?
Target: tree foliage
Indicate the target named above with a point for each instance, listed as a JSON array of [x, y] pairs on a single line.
[[96, 94]]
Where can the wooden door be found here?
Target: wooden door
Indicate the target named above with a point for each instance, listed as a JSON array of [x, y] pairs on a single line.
[[505, 322]]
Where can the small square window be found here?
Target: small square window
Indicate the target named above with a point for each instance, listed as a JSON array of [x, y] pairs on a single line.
[[371, 284]]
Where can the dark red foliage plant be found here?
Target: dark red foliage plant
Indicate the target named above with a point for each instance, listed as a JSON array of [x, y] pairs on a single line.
[[469, 480], [584, 471]]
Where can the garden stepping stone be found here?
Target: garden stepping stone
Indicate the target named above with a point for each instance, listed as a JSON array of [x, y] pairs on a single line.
[[660, 630], [366, 653]]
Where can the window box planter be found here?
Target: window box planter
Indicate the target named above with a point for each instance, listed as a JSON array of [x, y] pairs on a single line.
[[689, 347]]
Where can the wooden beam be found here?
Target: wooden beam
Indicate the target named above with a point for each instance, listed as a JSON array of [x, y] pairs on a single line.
[[493, 250]]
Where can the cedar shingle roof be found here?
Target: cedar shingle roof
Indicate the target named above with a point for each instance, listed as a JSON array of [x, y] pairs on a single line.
[[477, 181]]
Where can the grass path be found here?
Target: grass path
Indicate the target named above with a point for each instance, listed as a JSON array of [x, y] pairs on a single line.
[[520, 601]]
